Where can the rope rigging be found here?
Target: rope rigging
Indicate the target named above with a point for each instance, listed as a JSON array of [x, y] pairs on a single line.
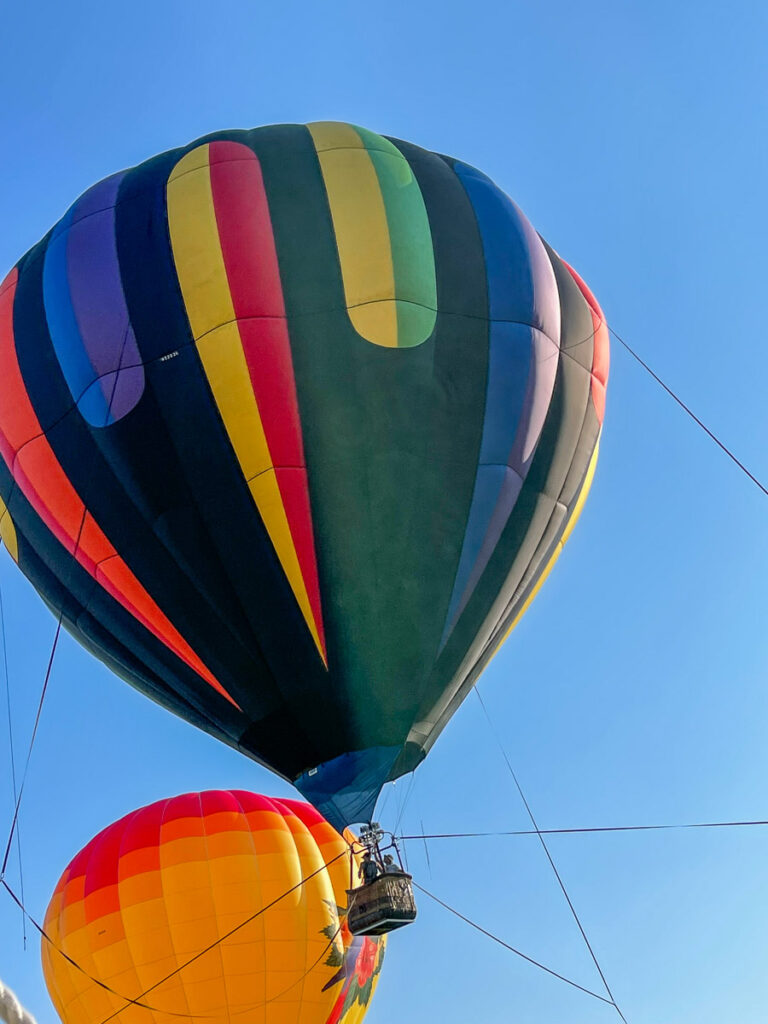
[[689, 411], [12, 758], [582, 831], [512, 949], [43, 692], [54, 645], [560, 881]]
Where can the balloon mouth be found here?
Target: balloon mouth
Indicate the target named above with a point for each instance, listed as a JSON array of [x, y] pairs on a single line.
[[345, 789]]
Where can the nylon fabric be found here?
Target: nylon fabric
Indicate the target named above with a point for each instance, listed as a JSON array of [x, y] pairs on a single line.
[[152, 891], [356, 400]]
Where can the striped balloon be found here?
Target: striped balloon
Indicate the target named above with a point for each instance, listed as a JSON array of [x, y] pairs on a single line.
[[194, 908], [293, 424]]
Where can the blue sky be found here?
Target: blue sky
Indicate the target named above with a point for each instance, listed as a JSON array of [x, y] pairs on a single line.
[[633, 136]]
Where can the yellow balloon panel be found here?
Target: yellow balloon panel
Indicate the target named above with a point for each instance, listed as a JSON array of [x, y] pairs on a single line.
[[212, 907]]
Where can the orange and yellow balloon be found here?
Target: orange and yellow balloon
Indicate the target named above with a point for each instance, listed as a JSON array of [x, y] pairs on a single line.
[[194, 909]]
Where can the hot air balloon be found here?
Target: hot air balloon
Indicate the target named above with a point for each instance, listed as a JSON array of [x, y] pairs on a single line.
[[194, 908], [293, 424]]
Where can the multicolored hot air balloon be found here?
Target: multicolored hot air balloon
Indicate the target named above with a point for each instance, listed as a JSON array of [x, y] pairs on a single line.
[[293, 424], [194, 908]]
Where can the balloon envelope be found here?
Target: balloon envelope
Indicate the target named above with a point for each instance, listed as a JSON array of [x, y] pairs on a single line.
[[293, 423], [161, 886]]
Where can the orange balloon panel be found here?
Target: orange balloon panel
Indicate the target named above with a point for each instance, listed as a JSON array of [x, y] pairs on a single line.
[[155, 908]]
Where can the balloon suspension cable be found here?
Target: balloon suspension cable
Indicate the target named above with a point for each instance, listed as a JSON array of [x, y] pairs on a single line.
[[377, 841], [12, 757], [57, 634], [43, 692], [757, 822], [370, 839], [549, 857], [687, 409], [512, 949]]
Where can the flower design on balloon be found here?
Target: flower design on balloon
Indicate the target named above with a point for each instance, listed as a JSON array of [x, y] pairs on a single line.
[[358, 959]]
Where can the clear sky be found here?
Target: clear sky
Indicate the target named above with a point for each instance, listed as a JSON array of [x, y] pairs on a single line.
[[633, 136]]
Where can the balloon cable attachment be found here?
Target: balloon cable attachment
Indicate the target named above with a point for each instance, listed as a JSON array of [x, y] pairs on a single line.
[[384, 899]]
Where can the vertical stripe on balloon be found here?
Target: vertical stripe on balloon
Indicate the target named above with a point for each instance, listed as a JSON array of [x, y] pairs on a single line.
[[41, 478], [524, 339], [226, 262], [382, 233], [571, 523], [8, 532], [86, 311], [601, 349]]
